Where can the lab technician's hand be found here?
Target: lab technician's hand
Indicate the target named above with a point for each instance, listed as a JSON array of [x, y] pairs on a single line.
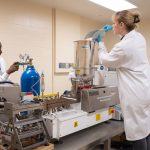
[[98, 36], [14, 67], [107, 27]]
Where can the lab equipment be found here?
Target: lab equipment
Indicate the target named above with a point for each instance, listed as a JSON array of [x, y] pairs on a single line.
[[25, 132], [10, 92], [71, 73], [30, 81], [24, 60], [99, 98], [118, 113], [42, 84], [90, 104], [85, 105]]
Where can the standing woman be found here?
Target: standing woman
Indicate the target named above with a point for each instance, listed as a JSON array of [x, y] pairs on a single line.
[[129, 57]]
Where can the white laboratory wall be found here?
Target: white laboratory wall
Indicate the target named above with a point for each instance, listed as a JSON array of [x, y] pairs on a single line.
[[87, 25], [72, 27], [67, 31], [27, 28]]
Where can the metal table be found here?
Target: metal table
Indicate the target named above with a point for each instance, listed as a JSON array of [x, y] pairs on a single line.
[[90, 137]]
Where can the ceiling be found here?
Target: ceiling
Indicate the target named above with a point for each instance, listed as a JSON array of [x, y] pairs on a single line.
[[90, 10]]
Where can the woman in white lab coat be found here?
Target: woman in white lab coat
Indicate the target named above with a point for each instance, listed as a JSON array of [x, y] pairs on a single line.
[[133, 69], [4, 74]]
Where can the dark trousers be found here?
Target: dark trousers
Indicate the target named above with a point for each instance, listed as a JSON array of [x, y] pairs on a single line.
[[143, 144]]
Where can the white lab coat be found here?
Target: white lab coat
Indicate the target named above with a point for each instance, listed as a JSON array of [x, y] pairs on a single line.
[[130, 59], [3, 75], [2, 65]]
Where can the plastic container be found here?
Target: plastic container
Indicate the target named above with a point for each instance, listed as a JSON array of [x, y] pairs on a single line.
[[30, 81]]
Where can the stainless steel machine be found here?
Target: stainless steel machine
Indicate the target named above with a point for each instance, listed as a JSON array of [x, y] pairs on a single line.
[[93, 96], [102, 97], [21, 122], [91, 100], [10, 92], [22, 127]]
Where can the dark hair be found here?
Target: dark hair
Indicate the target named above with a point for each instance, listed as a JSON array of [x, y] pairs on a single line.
[[128, 18]]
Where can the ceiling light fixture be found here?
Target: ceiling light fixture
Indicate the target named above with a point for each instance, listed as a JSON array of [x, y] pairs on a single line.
[[115, 5]]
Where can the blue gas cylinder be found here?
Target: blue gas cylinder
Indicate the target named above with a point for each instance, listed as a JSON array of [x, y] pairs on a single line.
[[30, 81]]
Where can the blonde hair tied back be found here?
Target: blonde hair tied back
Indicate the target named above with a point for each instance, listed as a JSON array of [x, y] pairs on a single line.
[[130, 19], [136, 17]]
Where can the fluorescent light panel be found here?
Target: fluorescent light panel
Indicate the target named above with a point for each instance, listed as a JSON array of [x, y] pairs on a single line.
[[115, 5]]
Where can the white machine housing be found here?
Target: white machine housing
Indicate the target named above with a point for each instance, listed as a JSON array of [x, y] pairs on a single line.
[[65, 122]]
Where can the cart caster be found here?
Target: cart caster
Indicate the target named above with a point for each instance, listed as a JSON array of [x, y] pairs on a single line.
[[56, 141]]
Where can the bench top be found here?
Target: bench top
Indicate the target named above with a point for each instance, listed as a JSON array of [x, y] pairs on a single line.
[[91, 136]]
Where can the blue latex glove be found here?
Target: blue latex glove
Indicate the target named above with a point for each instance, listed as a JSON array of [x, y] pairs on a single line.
[[99, 35], [107, 27]]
